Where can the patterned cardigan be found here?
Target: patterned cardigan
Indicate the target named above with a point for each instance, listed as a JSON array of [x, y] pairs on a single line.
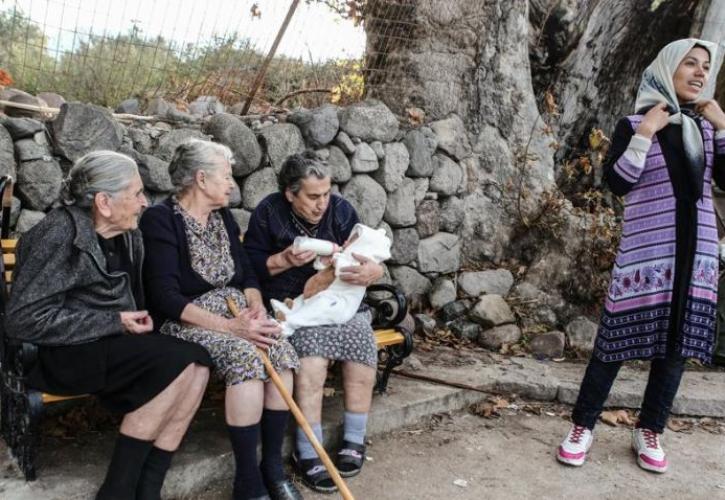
[[635, 320]]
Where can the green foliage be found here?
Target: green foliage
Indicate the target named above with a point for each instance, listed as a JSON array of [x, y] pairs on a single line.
[[107, 70], [23, 51]]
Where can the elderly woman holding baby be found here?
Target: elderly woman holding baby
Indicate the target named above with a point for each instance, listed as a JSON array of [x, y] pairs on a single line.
[[305, 206], [194, 263]]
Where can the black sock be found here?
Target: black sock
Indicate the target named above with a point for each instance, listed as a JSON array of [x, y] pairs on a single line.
[[274, 427], [153, 474], [247, 478], [123, 473]]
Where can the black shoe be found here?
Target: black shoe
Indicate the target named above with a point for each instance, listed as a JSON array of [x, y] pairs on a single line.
[[350, 459], [284, 490], [314, 474]]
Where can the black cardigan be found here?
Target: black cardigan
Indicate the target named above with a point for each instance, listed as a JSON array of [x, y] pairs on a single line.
[[169, 280]]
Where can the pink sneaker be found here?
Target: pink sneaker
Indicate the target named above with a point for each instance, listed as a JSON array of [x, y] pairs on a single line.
[[573, 450], [650, 455]]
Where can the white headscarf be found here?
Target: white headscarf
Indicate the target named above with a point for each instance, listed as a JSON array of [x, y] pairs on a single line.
[[657, 86]]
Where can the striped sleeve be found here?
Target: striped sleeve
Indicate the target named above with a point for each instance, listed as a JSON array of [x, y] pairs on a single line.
[[625, 159]]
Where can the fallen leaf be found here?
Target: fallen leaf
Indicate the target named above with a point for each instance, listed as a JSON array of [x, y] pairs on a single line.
[[609, 417], [461, 483], [676, 425]]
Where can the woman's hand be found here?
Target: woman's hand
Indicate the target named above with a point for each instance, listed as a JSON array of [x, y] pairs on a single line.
[[712, 112], [262, 332], [367, 273], [654, 120], [137, 322], [288, 258]]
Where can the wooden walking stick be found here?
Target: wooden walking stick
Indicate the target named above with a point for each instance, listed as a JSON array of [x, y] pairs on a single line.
[[297, 413]]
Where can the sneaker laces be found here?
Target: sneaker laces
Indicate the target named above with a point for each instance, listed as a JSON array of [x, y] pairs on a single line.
[[651, 439], [576, 434]]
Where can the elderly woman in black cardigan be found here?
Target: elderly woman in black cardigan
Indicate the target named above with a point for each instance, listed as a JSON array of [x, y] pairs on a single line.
[[194, 263]]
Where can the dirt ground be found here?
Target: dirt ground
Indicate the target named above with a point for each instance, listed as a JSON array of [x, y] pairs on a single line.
[[512, 457]]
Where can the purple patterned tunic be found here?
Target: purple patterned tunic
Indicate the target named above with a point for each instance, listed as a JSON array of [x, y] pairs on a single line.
[[637, 309]]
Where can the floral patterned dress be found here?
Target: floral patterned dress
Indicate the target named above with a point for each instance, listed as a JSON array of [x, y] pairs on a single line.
[[235, 359]]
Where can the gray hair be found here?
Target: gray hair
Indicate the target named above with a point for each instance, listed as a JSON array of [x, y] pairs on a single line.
[[299, 167], [196, 155], [97, 172]]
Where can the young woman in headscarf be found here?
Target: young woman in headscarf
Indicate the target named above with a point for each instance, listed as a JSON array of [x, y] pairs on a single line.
[[662, 297]]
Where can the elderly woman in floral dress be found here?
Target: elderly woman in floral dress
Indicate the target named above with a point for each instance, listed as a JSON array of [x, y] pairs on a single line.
[[195, 262]]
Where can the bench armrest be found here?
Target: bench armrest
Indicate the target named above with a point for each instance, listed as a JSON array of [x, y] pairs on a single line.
[[388, 303]]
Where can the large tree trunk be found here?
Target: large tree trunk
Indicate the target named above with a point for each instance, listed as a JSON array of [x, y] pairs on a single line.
[[530, 79]]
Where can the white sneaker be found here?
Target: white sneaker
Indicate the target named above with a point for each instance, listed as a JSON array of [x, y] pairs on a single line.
[[650, 455], [573, 450]]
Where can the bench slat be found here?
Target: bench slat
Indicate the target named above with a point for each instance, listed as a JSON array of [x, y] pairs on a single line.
[[54, 398], [8, 245], [384, 338], [9, 260]]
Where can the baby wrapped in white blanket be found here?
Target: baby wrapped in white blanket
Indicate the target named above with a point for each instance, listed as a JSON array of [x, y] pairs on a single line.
[[339, 302]]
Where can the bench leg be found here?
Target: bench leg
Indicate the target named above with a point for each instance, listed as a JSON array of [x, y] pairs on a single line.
[[394, 354], [21, 412]]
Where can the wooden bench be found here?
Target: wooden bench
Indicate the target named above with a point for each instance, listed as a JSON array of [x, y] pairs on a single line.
[[21, 407]]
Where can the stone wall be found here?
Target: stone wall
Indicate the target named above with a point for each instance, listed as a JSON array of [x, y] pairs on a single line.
[[418, 181]]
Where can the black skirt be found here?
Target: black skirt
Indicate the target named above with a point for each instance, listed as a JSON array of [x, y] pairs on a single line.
[[124, 371]]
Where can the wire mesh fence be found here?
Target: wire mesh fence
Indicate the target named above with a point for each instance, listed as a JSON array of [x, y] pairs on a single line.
[[105, 51]]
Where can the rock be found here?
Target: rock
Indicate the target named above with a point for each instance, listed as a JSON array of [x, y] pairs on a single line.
[[242, 217], [171, 140], [257, 186], [413, 364], [465, 329], [400, 207], [235, 197], [548, 345], [15, 206], [141, 139], [27, 219], [340, 170], [421, 188], [421, 144], [452, 137], [319, 126], [441, 253], [377, 147], [448, 176], [424, 324], [367, 197], [427, 217], [581, 333], [442, 293], [452, 213], [342, 141], [39, 183], [495, 282], [495, 337], [175, 115], [157, 107], [392, 169], [230, 130], [81, 128], [323, 154], [388, 231], [131, 106], [206, 105], [25, 98], [52, 99], [280, 141], [453, 310], [33, 149], [405, 246], [411, 282], [364, 159], [236, 108], [154, 173], [492, 310], [21, 128], [369, 120]]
